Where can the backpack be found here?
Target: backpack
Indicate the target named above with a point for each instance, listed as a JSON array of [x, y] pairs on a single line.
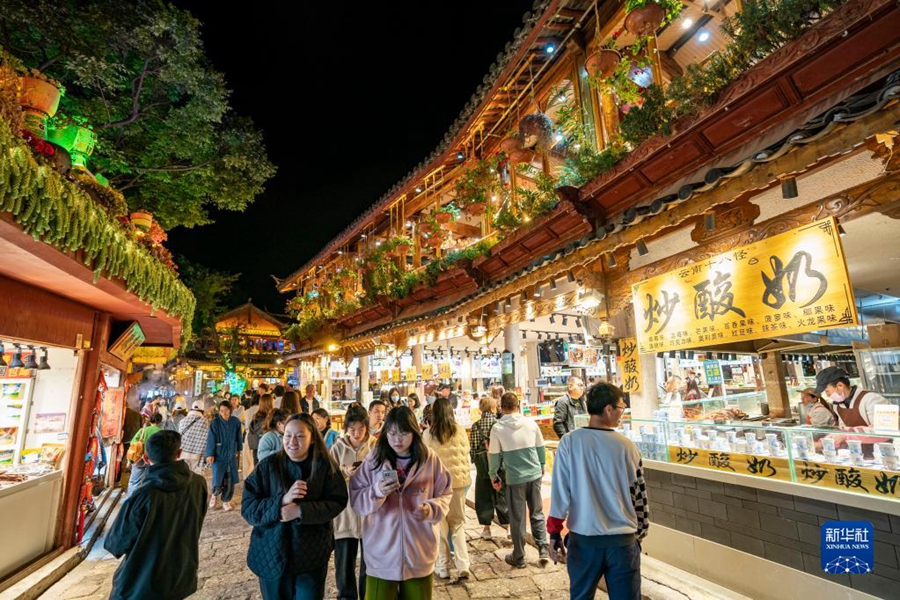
[[136, 449], [255, 431]]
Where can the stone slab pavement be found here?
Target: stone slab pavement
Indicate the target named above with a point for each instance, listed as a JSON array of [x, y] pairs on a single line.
[[223, 572]]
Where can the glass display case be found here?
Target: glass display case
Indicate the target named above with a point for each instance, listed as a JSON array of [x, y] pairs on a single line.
[[865, 463], [717, 408], [880, 371]]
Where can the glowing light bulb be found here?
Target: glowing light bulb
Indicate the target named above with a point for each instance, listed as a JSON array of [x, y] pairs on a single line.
[[686, 24], [704, 35]]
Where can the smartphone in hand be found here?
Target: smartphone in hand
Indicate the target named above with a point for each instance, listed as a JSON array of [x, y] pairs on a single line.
[[391, 476]]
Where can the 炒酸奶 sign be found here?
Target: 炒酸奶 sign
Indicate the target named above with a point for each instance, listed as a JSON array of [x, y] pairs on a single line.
[[794, 282], [630, 366]]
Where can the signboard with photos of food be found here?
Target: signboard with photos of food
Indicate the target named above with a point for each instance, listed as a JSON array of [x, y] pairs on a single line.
[[794, 282]]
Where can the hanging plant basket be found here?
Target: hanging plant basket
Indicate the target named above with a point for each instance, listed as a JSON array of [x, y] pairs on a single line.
[[402, 249], [78, 140], [443, 217], [426, 227], [645, 20], [536, 131], [602, 64], [476, 209], [434, 241], [39, 100], [142, 220]]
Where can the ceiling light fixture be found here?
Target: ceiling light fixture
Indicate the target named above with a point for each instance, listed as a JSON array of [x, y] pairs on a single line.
[[686, 23], [30, 362], [704, 35], [17, 358]]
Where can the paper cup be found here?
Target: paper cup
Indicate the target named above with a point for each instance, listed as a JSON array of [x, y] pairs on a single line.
[[828, 445], [891, 463], [886, 449], [855, 447]]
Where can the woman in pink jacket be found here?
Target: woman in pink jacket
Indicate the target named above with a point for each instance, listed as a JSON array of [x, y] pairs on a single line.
[[402, 492]]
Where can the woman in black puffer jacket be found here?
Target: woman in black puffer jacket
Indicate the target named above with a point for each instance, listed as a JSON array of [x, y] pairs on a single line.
[[290, 500]]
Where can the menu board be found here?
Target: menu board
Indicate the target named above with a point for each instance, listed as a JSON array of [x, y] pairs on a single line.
[[794, 282], [427, 371], [582, 356]]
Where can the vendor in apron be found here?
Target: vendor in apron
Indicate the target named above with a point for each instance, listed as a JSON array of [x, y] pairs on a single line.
[[854, 406]]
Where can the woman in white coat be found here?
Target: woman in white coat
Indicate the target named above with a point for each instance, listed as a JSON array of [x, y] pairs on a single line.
[[450, 442]]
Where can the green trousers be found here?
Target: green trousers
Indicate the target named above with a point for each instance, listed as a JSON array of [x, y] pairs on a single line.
[[411, 589]]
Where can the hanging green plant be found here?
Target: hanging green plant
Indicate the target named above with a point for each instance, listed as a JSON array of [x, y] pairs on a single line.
[[59, 213], [478, 185], [645, 17], [446, 213]]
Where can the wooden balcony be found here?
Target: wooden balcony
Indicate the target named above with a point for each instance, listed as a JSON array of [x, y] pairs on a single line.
[[851, 48], [565, 224]]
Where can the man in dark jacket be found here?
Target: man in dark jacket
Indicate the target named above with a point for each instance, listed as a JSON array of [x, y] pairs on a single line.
[[568, 406], [158, 528], [309, 402]]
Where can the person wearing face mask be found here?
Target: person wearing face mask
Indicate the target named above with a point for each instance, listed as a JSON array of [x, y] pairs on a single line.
[[394, 398], [855, 406], [290, 500], [568, 406]]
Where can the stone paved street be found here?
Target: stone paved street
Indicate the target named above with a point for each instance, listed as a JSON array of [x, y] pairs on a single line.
[[224, 573]]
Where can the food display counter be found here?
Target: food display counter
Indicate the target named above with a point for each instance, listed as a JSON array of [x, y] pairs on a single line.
[[29, 497], [861, 463]]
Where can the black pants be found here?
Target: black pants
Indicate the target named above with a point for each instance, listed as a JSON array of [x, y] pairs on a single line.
[[487, 499], [345, 569]]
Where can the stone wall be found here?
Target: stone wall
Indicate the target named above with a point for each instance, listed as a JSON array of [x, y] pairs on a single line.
[[778, 527]]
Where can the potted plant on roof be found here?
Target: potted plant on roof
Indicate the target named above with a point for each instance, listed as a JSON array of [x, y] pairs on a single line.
[[645, 17], [142, 219], [75, 135], [436, 239], [39, 97]]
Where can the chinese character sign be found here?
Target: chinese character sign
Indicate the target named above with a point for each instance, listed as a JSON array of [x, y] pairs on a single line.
[[794, 282], [427, 371], [444, 371], [713, 372], [630, 365]]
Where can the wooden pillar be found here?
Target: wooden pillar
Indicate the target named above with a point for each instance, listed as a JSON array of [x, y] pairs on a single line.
[[609, 115], [89, 379], [776, 390], [653, 51]]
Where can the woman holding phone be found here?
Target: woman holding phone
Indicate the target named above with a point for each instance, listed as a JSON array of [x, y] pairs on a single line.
[[349, 451], [290, 500], [402, 491]]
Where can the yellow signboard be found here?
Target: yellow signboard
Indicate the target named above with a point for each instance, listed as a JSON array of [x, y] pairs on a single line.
[[630, 365], [732, 462], [881, 484], [444, 370], [385, 375], [793, 282], [427, 371], [395, 375], [411, 374]]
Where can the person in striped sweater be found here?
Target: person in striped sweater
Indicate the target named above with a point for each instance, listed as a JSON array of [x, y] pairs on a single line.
[[517, 446]]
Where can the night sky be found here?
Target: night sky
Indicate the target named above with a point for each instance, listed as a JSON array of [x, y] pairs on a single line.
[[350, 98]]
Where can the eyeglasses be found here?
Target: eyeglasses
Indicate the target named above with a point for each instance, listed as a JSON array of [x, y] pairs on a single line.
[[622, 407], [399, 434]]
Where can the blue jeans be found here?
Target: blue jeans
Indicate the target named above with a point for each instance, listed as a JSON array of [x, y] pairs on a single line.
[[589, 559], [303, 586]]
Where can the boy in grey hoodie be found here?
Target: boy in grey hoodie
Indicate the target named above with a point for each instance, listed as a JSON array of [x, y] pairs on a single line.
[[517, 445]]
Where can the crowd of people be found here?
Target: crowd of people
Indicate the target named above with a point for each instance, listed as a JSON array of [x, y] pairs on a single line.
[[388, 492]]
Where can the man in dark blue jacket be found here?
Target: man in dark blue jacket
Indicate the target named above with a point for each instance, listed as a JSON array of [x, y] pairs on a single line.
[[158, 528]]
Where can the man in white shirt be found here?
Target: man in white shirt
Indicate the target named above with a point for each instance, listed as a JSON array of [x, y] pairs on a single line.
[[278, 394], [855, 406], [598, 485]]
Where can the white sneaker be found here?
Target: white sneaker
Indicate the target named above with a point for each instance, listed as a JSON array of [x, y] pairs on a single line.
[[212, 502], [486, 533], [226, 506], [442, 573]]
